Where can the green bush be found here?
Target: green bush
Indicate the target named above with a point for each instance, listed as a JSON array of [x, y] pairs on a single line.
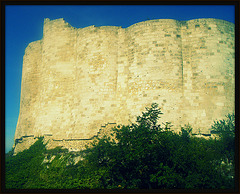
[[225, 130], [25, 166], [146, 155], [142, 155]]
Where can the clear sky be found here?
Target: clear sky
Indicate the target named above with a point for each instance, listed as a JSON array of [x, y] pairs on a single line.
[[24, 24]]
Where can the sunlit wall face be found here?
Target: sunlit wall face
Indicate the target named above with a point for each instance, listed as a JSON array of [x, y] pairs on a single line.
[[76, 80]]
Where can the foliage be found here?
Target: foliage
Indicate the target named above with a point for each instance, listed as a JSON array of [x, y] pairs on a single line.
[[146, 155], [225, 130], [142, 155], [25, 166]]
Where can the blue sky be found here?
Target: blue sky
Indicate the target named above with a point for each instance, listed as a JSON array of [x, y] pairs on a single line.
[[24, 24]]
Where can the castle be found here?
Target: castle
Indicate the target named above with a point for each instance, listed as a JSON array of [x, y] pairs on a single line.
[[76, 82]]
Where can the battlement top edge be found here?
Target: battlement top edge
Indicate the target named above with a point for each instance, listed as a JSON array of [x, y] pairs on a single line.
[[61, 20]]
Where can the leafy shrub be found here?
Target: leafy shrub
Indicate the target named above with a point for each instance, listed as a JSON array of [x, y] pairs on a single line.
[[25, 166], [142, 155], [146, 155], [225, 130]]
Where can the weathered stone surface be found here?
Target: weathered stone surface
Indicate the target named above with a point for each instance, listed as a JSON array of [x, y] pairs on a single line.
[[76, 80]]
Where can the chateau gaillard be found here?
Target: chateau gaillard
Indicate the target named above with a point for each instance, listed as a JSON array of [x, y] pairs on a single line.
[[79, 82]]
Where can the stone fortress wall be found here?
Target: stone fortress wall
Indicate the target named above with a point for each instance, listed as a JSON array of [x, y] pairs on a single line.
[[76, 80]]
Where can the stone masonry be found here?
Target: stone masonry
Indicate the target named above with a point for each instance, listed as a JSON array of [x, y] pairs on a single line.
[[76, 80]]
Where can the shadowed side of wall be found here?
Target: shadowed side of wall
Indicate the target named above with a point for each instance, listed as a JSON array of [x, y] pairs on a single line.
[[30, 90]]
